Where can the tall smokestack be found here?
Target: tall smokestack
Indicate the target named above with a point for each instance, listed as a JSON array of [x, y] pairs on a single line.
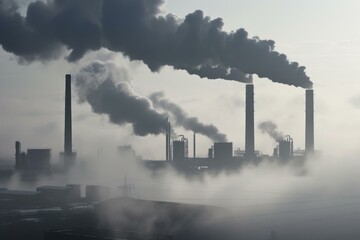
[[194, 145], [309, 122], [17, 155], [249, 124], [68, 154], [167, 142]]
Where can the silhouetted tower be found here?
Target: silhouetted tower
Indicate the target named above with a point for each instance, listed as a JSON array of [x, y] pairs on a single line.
[[249, 124], [309, 122], [17, 155], [68, 153], [169, 141], [194, 148]]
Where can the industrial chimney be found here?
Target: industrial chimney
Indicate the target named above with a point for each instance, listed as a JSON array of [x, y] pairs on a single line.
[[309, 122], [194, 147], [17, 155], [249, 123], [167, 141], [68, 153]]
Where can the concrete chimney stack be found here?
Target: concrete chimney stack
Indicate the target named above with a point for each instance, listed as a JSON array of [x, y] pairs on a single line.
[[17, 155], [167, 142], [249, 123], [194, 145], [309, 122], [68, 153]]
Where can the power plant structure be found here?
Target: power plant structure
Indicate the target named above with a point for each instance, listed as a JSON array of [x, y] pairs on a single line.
[[221, 154], [285, 149], [39, 159]]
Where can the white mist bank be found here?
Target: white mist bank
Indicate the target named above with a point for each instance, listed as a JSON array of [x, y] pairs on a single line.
[[323, 202]]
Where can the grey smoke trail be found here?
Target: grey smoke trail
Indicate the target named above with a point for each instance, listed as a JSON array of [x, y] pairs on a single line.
[[215, 72], [182, 119], [271, 129], [96, 85], [107, 91], [135, 28]]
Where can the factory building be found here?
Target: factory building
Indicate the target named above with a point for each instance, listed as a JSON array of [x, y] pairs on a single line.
[[38, 159], [285, 149], [34, 159], [223, 151], [180, 149]]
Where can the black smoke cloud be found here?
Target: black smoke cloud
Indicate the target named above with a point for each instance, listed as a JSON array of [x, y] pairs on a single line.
[[107, 90], [215, 72], [189, 123], [96, 84], [270, 128], [137, 29]]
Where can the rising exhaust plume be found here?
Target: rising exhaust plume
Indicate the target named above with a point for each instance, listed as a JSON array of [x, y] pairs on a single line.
[[107, 90], [182, 119], [270, 128], [96, 85], [137, 29]]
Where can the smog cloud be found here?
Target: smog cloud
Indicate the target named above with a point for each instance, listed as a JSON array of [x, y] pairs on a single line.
[[182, 119], [270, 128], [96, 85], [108, 91], [137, 29]]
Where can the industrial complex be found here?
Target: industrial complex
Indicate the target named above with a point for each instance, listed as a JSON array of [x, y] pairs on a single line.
[[221, 155]]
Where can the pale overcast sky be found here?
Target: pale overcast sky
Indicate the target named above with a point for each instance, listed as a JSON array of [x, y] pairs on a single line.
[[322, 35]]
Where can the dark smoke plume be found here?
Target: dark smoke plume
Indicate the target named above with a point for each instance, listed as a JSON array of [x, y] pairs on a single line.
[[271, 129], [96, 84], [215, 72], [182, 119], [107, 91], [135, 28]]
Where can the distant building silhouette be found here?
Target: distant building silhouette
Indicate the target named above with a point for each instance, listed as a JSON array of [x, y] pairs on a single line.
[[38, 159], [18, 155]]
